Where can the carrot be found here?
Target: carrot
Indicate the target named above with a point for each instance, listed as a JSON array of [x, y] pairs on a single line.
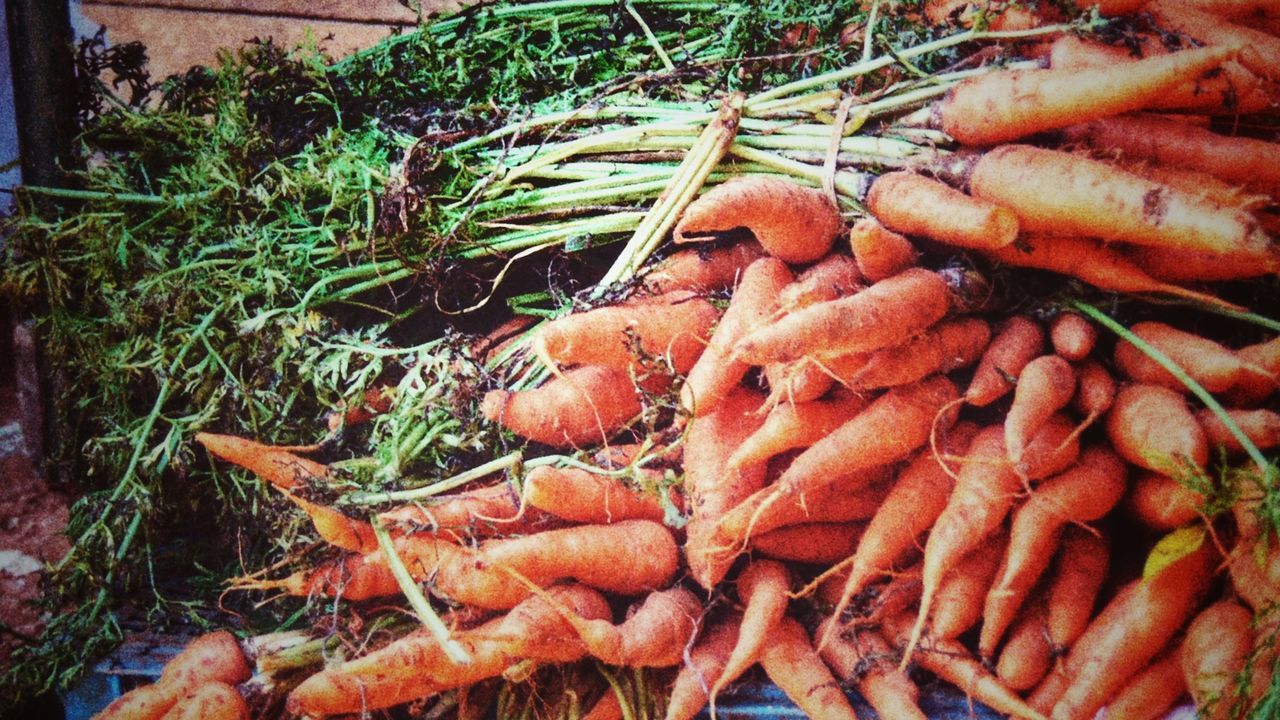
[[1204, 186], [1261, 426], [1096, 264], [588, 497], [792, 222], [585, 406], [866, 441], [713, 489], [1065, 194], [608, 707], [416, 665], [862, 657], [655, 634], [916, 205], [1231, 90], [212, 657], [672, 327], [951, 661], [1044, 387], [1152, 692], [836, 503], [1259, 51], [881, 601], [795, 425], [716, 372], [210, 701], [1048, 692], [834, 276], [1214, 653], [797, 381], [949, 345], [1186, 266], [790, 661], [879, 251], [483, 511], [1028, 653], [353, 577], [1015, 344], [1240, 160], [1080, 494], [1005, 105], [1254, 563], [1152, 427], [704, 667], [814, 543], [701, 269], [1212, 365], [762, 590], [1162, 503], [376, 401], [1072, 337], [1095, 391], [1131, 630], [985, 491], [885, 314], [915, 502], [992, 14], [959, 597], [290, 474], [1261, 375], [1080, 570]]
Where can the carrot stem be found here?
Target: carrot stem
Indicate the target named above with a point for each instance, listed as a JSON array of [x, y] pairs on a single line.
[[421, 606], [506, 462]]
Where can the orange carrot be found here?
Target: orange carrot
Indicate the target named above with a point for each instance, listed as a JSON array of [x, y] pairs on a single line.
[[417, 666], [212, 657], [863, 657], [949, 345], [1231, 90], [1072, 336], [863, 442], [880, 252], [792, 222], [1095, 391], [713, 489], [654, 634], [1005, 105], [1081, 494], [1131, 630], [814, 543], [797, 382], [1261, 376], [1162, 503], [959, 597], [1214, 652], [1047, 693], [836, 504], [1015, 344], [1080, 570], [796, 425], [1065, 194], [585, 406], [1254, 562], [1215, 367], [1185, 266], [1092, 262], [1152, 427], [587, 497], [480, 512], [716, 372], [672, 327], [832, 277], [790, 661], [704, 667], [915, 502], [700, 269], [885, 314], [762, 590], [1259, 51], [1261, 426], [916, 205], [376, 401], [1044, 387], [210, 701], [1152, 692], [290, 474], [353, 577], [1028, 653]]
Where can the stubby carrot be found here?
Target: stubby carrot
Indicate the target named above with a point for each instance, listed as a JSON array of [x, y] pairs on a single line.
[[792, 222], [716, 372], [1079, 572], [812, 543], [1028, 653], [1151, 693], [951, 344], [210, 701], [1016, 342], [1261, 376], [1261, 426], [885, 314], [1080, 494], [654, 634], [880, 252], [1209, 363], [1066, 194], [790, 661], [701, 269], [913, 204], [1005, 105], [836, 275], [862, 657], [762, 591], [587, 497], [212, 657], [1044, 387], [1159, 502], [1072, 336], [704, 668], [1152, 427], [1214, 653], [1095, 391], [586, 405]]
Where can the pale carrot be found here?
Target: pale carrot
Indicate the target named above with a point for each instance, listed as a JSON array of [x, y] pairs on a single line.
[[1259, 51], [913, 204], [1152, 427], [879, 251], [210, 701], [797, 381], [1215, 367]]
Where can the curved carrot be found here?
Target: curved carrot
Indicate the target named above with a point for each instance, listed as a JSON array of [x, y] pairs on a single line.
[[879, 251], [1152, 427], [834, 276], [704, 667], [1209, 363], [1081, 566], [796, 425], [1261, 426], [863, 657], [212, 657], [949, 345], [1015, 344], [916, 205], [812, 543], [959, 596], [655, 634], [1044, 387], [762, 590], [1028, 653]]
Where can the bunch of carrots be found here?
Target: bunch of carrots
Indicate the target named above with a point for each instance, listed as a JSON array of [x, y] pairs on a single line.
[[875, 471]]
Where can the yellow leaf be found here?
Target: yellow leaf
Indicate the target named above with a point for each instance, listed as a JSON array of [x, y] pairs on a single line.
[[1172, 548]]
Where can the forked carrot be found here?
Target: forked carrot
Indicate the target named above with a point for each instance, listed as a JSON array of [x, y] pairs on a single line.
[[212, 657], [762, 591], [654, 634], [913, 204], [211, 701]]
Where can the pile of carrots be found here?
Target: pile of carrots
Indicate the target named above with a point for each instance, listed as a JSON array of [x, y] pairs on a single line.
[[875, 472]]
